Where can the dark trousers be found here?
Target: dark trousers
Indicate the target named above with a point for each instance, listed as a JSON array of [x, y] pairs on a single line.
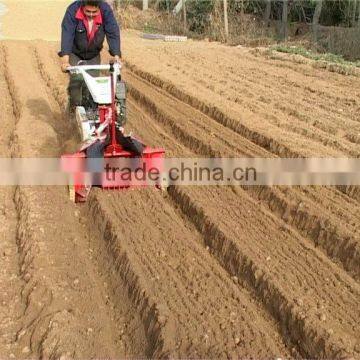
[[78, 92]]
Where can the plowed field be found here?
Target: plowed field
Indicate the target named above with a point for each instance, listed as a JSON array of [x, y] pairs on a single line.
[[191, 272]]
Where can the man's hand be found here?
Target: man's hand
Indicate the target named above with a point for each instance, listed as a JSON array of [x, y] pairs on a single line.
[[65, 63], [64, 67], [116, 59]]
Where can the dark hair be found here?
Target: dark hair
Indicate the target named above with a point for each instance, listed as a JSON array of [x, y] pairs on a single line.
[[91, 2]]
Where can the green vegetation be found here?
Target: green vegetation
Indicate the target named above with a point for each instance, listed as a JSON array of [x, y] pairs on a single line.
[[328, 57], [198, 14]]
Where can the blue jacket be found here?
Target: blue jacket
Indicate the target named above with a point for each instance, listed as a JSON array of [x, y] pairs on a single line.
[[74, 37]]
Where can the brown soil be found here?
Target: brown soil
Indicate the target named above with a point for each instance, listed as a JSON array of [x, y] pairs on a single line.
[[33, 19], [208, 272]]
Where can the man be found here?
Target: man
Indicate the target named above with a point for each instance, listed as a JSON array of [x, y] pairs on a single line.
[[85, 25]]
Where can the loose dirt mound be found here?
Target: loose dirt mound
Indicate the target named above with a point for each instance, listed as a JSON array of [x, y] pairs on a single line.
[[192, 272]]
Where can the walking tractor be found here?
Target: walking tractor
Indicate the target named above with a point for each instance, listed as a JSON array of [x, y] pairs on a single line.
[[107, 157]]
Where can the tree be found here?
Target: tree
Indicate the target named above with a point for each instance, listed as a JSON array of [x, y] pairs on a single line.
[[353, 12], [184, 15], [284, 20], [316, 18], [267, 13], [226, 21]]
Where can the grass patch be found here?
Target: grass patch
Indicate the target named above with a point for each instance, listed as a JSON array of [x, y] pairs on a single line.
[[328, 57]]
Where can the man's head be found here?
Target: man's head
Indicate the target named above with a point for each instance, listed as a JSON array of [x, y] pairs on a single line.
[[91, 7]]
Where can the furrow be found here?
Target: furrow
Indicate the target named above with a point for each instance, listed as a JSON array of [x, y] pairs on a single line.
[[324, 231], [11, 306], [201, 311], [215, 113], [304, 329], [218, 115], [55, 263], [169, 315]]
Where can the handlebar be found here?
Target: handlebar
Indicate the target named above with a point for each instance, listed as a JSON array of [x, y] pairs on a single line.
[[107, 67]]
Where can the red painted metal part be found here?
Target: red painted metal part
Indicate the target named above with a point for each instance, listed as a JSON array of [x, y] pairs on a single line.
[[151, 159]]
